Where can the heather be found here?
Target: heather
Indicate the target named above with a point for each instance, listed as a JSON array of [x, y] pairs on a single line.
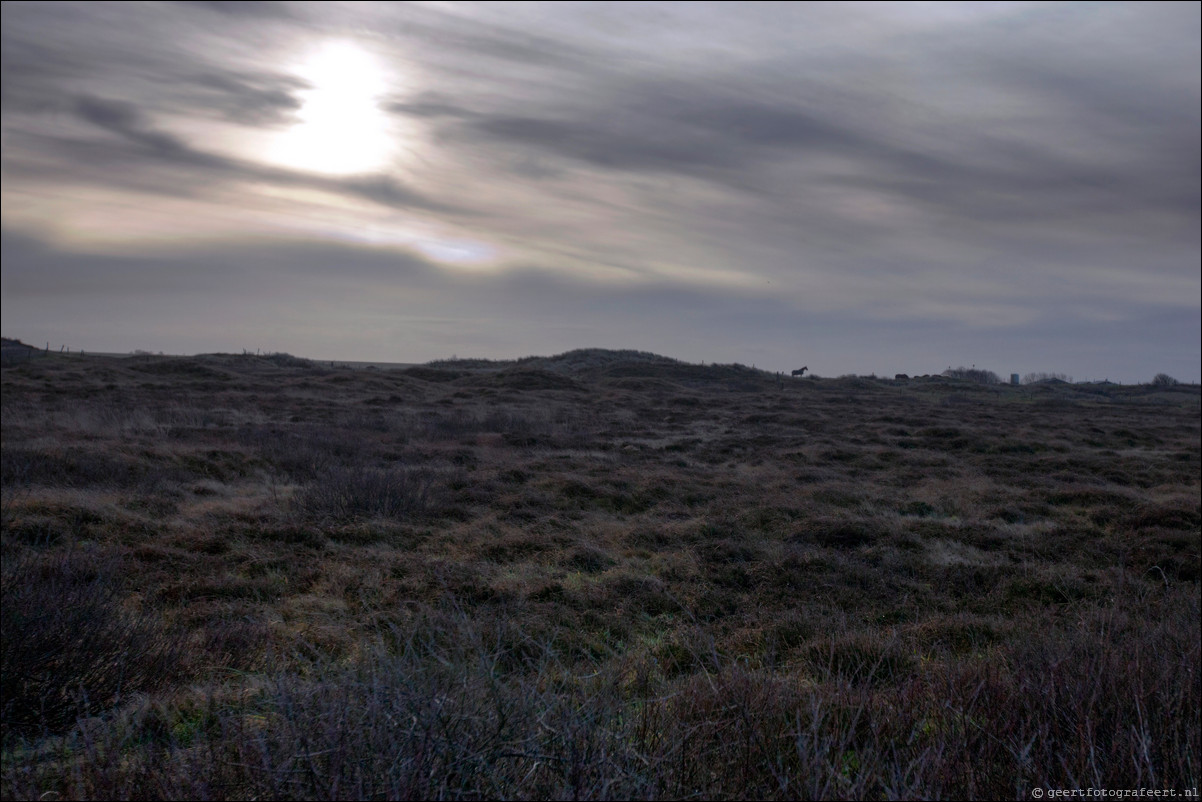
[[597, 575]]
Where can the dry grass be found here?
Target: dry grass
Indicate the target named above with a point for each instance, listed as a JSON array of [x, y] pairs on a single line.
[[598, 575]]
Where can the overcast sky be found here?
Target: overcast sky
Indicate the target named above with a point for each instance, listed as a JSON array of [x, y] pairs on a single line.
[[853, 187]]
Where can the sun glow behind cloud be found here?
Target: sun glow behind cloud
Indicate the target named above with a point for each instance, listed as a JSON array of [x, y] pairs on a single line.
[[341, 128]]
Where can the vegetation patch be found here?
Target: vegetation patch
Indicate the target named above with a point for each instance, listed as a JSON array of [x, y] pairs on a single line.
[[597, 575]]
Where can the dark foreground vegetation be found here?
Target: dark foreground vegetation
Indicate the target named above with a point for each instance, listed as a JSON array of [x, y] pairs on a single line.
[[601, 575]]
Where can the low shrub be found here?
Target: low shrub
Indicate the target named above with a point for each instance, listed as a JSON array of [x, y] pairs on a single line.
[[69, 647], [343, 494], [1043, 377]]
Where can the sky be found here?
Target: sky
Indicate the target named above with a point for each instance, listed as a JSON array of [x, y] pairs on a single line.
[[857, 188]]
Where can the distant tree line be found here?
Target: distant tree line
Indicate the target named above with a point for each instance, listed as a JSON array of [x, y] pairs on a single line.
[[973, 375]]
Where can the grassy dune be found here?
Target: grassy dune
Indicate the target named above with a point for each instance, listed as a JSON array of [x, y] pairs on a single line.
[[598, 575]]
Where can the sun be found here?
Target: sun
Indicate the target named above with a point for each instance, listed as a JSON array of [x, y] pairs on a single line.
[[341, 128]]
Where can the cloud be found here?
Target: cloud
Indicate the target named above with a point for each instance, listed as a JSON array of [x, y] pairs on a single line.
[[684, 128], [140, 143], [431, 109], [693, 130], [242, 8], [250, 100], [127, 121], [35, 268], [1012, 123]]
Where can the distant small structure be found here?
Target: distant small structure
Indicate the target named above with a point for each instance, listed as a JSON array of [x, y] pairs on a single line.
[[1014, 379], [900, 377], [801, 371]]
